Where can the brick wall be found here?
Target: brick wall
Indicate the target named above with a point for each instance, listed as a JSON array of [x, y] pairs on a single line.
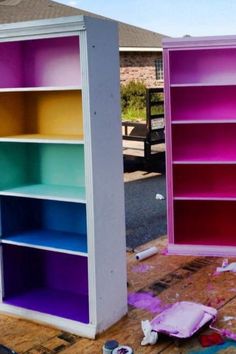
[[139, 66]]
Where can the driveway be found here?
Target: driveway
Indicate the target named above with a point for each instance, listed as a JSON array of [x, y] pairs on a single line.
[[145, 215]]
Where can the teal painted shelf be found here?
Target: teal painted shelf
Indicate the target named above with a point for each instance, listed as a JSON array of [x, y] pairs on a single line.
[[47, 164], [49, 192]]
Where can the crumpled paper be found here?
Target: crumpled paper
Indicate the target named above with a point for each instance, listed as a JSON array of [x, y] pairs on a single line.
[[150, 336]]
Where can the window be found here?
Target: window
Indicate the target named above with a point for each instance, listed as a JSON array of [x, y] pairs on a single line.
[[159, 69]]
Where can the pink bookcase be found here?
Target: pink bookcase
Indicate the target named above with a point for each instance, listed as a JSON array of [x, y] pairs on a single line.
[[200, 108]]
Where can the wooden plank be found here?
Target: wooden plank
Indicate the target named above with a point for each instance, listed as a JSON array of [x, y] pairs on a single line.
[[171, 278]]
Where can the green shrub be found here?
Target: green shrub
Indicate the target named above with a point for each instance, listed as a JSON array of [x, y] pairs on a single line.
[[133, 101], [133, 96]]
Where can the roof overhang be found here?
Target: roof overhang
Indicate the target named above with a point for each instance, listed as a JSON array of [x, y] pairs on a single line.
[[140, 49]]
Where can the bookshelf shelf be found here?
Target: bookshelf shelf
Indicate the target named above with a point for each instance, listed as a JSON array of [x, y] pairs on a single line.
[[59, 215], [200, 89]]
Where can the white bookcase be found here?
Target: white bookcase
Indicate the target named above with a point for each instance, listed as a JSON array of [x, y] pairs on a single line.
[[63, 257]]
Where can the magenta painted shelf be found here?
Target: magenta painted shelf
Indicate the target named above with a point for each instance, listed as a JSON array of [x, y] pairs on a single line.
[[204, 181], [45, 62], [203, 66], [204, 142], [200, 106], [203, 103], [214, 222]]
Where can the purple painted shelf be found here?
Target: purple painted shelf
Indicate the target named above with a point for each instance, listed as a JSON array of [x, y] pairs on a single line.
[[200, 91], [53, 302], [47, 282], [40, 63]]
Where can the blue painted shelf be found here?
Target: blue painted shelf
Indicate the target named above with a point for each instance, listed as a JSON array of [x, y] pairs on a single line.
[[59, 241]]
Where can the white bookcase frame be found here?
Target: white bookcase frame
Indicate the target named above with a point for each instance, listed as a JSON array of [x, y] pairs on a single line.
[[99, 57]]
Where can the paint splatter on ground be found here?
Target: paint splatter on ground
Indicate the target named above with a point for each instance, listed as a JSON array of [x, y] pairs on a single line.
[[146, 301], [141, 268]]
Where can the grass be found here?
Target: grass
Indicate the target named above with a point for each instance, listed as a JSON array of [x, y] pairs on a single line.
[[134, 115], [138, 115]]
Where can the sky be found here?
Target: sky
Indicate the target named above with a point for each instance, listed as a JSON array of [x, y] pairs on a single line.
[[175, 18]]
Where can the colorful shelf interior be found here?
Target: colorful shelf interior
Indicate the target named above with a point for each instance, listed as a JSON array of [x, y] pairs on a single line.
[[40, 62], [204, 181], [204, 142], [47, 282], [42, 170], [205, 222], [41, 115], [44, 224], [215, 66], [201, 144], [203, 103]]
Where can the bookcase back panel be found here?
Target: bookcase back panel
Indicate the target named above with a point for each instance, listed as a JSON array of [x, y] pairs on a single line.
[[207, 181], [203, 66], [56, 164], [40, 62], [11, 65], [204, 142], [46, 113], [203, 103], [205, 222], [49, 282], [12, 116], [22, 214], [57, 113]]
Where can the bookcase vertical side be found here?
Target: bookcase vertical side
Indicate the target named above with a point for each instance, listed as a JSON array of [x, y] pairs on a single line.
[[1, 260], [104, 173], [169, 151]]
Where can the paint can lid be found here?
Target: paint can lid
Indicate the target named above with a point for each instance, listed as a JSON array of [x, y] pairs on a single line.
[[123, 350], [111, 344]]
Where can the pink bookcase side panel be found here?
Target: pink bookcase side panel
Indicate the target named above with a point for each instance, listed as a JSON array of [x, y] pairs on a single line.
[[169, 177], [11, 65], [203, 66]]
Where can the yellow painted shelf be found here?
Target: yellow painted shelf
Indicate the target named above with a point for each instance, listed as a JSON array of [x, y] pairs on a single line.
[[47, 113]]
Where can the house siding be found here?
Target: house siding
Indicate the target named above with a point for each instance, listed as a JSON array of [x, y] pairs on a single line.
[[139, 66]]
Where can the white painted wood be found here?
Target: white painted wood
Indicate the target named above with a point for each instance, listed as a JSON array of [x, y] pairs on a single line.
[[62, 26], [81, 329], [104, 167]]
